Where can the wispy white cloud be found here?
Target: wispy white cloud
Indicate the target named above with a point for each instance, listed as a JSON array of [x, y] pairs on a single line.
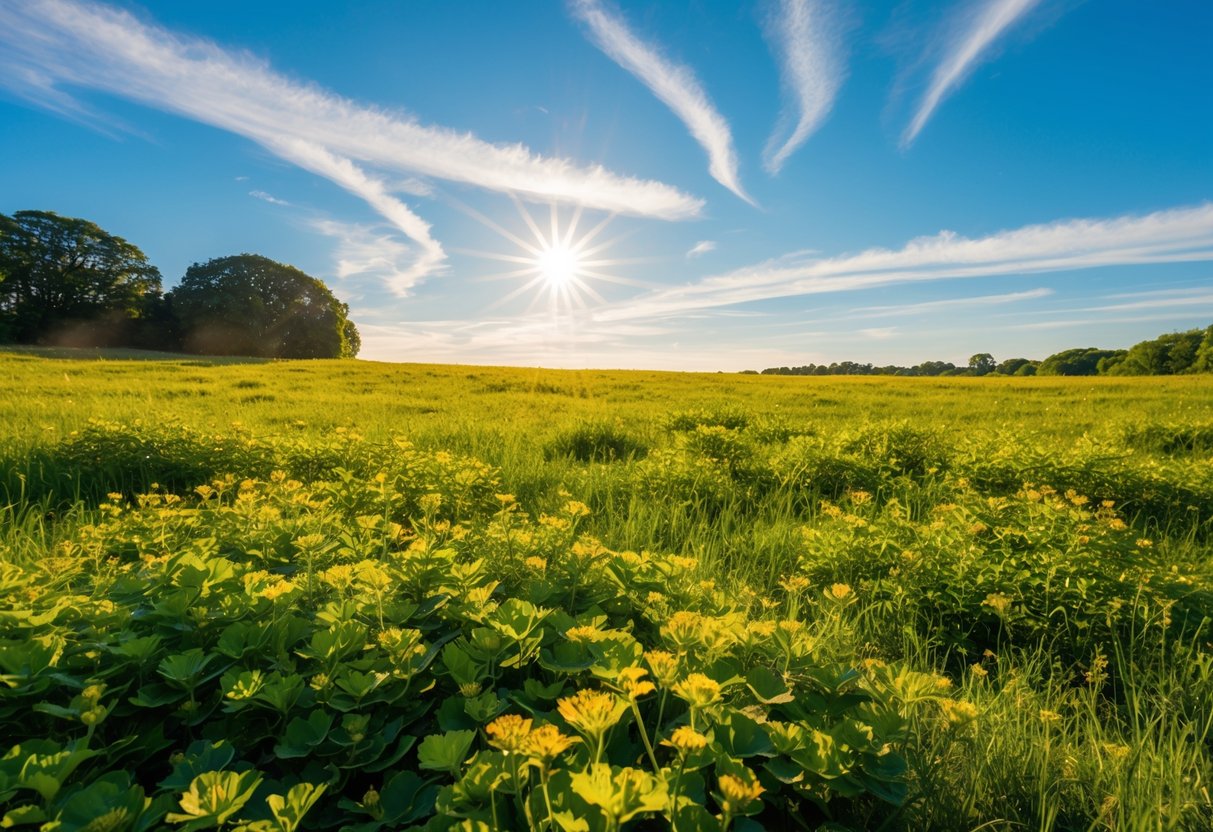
[[675, 85], [976, 28], [59, 44], [429, 258], [267, 197], [948, 305], [882, 333], [368, 251], [1101, 321], [701, 248], [1190, 302], [1176, 235], [807, 40]]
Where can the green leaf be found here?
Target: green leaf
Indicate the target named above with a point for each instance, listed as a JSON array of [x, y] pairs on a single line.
[[303, 735], [200, 757], [289, 811], [110, 802], [445, 752], [767, 687], [213, 797], [741, 736], [23, 815], [621, 793]]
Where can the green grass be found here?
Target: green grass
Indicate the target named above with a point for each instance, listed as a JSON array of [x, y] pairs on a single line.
[[1009, 581]]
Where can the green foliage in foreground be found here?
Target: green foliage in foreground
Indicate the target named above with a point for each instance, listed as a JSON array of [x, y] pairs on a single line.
[[722, 617]]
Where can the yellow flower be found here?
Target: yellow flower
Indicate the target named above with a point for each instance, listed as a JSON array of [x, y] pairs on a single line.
[[997, 602], [584, 634], [547, 743], [631, 680], [509, 733], [957, 712], [536, 563], [839, 592], [663, 665], [738, 795], [592, 712], [794, 584], [1048, 716], [683, 630], [469, 689], [698, 690], [978, 670], [686, 739]]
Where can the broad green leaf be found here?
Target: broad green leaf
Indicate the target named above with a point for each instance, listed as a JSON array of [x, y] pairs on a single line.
[[445, 752], [214, 797], [288, 811]]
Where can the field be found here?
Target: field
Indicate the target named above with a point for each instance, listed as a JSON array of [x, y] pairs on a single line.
[[347, 595]]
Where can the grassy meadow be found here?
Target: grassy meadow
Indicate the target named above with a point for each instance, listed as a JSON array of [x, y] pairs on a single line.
[[348, 595]]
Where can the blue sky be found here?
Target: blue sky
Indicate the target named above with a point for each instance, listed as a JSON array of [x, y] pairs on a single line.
[[733, 184]]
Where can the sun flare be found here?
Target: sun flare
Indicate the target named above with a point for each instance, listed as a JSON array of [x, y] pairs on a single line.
[[559, 263]]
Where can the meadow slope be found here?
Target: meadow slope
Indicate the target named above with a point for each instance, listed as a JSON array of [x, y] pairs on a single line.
[[348, 595]]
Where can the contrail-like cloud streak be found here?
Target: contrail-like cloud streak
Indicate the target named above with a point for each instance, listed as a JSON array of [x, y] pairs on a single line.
[[674, 85], [1176, 235], [804, 35], [963, 53], [46, 45]]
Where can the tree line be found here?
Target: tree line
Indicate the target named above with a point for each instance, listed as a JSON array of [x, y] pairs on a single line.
[[65, 281], [1173, 353]]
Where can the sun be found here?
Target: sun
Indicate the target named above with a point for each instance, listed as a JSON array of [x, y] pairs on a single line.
[[558, 264]]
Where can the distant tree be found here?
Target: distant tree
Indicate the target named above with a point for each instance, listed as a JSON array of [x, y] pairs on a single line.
[[66, 281], [1028, 369], [1010, 366], [1203, 363], [1082, 361], [251, 305], [1165, 355], [982, 364]]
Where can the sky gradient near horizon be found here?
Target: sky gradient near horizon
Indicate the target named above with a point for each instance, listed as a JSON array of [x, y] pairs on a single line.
[[689, 185]]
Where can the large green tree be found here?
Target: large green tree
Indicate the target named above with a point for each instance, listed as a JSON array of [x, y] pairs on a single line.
[[251, 305], [65, 280]]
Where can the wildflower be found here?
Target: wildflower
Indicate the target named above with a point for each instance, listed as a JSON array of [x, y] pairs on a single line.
[[1047, 716], [738, 795], [686, 739], [664, 666], [1144, 543], [536, 563], [1116, 751], [839, 592], [957, 712], [631, 680], [998, 602], [584, 634], [509, 733], [547, 743], [1096, 675], [468, 690], [698, 690], [682, 562], [592, 712], [575, 508], [683, 629], [794, 584], [978, 671]]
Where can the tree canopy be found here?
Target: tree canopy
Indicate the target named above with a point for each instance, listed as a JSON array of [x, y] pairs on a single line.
[[66, 281], [250, 305]]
